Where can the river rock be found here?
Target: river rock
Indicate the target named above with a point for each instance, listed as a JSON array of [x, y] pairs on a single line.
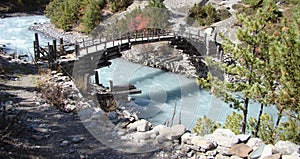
[[286, 147], [161, 139], [258, 152], [274, 156], [165, 131], [296, 154], [157, 128], [225, 151], [172, 133], [242, 150], [140, 136], [65, 143], [177, 131], [202, 143], [77, 139], [225, 137], [268, 151], [289, 157], [140, 125], [186, 138], [255, 143], [126, 114]]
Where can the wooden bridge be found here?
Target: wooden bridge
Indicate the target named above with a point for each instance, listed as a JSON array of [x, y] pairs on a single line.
[[96, 53], [108, 47]]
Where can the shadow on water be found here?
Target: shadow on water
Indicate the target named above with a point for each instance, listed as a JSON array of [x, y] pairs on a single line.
[[175, 93], [148, 76]]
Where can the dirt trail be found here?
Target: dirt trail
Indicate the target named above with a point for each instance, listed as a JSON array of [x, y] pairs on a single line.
[[31, 128]]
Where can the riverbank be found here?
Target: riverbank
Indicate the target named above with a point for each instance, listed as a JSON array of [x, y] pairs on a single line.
[[20, 14], [31, 126]]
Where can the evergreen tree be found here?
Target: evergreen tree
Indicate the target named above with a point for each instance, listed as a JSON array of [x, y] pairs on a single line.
[[205, 126], [250, 58], [91, 16]]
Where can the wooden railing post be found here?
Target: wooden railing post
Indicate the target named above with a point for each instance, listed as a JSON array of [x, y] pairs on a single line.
[[76, 49], [54, 50], [61, 45], [50, 54], [97, 81], [37, 44], [121, 37], [128, 36]]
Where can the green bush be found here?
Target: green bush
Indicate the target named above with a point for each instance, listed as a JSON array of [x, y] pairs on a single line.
[[67, 14], [205, 126], [234, 122], [207, 14]]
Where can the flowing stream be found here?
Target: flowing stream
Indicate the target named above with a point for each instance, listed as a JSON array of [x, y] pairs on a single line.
[[15, 37], [162, 92]]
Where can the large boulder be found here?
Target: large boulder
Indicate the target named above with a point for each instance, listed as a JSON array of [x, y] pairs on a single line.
[[172, 133], [140, 125], [257, 152], [268, 151], [202, 143], [255, 143], [286, 147], [225, 137], [140, 136], [274, 156], [242, 150], [187, 137]]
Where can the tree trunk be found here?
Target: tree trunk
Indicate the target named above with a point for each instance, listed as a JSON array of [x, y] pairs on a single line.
[[245, 113], [258, 120], [279, 118]]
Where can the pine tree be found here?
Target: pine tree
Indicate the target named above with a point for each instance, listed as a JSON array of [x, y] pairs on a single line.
[[250, 58], [91, 16]]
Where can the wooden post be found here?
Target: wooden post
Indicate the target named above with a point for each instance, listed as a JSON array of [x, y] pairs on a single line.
[[37, 44], [128, 36], [35, 51], [76, 49], [50, 55], [97, 78], [205, 38], [111, 85], [54, 50], [61, 46], [121, 37]]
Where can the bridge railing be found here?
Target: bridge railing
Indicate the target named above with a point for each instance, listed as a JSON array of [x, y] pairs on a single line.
[[105, 38], [146, 33]]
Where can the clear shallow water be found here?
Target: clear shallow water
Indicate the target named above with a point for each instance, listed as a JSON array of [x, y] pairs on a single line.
[[14, 33], [161, 90]]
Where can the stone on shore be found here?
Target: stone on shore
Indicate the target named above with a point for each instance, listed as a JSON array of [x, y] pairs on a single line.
[[202, 143], [140, 125], [225, 137], [286, 147], [242, 150], [172, 133]]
